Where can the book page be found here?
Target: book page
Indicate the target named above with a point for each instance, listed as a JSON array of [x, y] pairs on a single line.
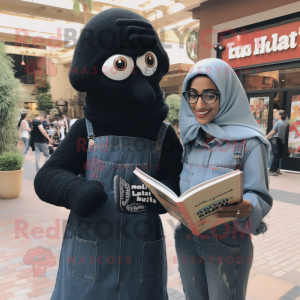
[[139, 173], [205, 183], [201, 205], [163, 195]]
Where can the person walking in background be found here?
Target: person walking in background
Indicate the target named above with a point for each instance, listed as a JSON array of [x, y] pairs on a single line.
[[72, 122], [66, 122], [62, 131], [25, 129], [277, 141], [46, 124], [274, 116], [40, 139]]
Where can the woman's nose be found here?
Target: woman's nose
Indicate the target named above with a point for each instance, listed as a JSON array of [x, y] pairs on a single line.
[[200, 104]]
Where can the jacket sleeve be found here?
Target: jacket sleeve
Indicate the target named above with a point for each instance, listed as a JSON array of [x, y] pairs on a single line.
[[256, 190], [170, 165], [58, 181]]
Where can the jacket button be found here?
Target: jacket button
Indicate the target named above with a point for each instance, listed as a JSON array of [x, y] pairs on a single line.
[[91, 142], [157, 148]]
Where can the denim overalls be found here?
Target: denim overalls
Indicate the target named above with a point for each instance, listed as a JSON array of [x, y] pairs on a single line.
[[110, 255], [216, 265]]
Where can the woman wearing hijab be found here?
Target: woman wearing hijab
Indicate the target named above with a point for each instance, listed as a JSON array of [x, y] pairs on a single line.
[[219, 134]]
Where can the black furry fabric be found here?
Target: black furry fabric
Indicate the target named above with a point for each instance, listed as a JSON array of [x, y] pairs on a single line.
[[131, 107], [57, 182]]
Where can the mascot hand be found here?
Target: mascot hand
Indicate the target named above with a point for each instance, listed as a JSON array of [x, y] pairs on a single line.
[[139, 33], [88, 199]]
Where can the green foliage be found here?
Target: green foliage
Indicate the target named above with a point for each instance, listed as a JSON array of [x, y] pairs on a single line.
[[173, 102], [44, 89], [44, 97], [76, 5], [11, 161], [44, 102], [10, 102]]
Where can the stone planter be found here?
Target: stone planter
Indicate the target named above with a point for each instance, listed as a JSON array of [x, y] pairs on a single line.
[[10, 184]]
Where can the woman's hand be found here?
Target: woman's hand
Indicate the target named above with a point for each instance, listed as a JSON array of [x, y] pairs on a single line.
[[229, 211]]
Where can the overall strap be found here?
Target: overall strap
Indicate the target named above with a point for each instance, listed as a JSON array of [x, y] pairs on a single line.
[[161, 135], [238, 153], [186, 150], [90, 131]]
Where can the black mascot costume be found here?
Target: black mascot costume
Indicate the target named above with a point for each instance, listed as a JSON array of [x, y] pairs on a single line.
[[119, 62]]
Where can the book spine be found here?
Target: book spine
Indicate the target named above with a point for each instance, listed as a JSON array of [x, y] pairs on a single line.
[[187, 218], [242, 186]]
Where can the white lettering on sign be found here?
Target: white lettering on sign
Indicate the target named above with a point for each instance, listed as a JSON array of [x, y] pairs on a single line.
[[262, 45]]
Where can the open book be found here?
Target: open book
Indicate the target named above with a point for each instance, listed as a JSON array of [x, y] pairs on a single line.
[[195, 208]]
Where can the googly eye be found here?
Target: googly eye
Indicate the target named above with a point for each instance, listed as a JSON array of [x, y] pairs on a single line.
[[118, 67], [147, 63]]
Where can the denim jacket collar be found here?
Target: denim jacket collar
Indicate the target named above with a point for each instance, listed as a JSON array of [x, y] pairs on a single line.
[[199, 140]]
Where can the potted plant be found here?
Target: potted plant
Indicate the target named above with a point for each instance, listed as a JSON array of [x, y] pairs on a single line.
[[11, 159], [10, 175]]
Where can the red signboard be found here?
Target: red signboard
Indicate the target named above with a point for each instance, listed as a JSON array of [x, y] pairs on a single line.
[[263, 46]]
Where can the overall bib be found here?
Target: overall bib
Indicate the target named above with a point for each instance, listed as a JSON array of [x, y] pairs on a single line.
[[111, 255]]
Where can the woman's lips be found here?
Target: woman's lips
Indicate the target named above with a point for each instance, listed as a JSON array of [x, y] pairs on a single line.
[[202, 114]]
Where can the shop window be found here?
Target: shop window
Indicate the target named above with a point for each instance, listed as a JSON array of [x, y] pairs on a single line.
[[294, 129], [25, 73], [273, 79], [260, 109], [279, 100]]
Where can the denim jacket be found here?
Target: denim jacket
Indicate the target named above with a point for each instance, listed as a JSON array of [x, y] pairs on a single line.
[[202, 162]]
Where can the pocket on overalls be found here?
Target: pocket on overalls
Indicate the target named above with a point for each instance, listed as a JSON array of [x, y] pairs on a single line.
[[107, 171], [131, 177], [185, 178], [82, 258], [153, 261]]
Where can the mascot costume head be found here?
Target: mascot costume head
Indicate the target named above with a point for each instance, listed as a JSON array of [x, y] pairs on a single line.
[[119, 62]]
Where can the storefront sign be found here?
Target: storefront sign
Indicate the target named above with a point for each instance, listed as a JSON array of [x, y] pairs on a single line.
[[192, 45], [263, 46]]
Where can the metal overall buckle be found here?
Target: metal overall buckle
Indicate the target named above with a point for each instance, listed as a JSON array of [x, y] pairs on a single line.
[[237, 162], [91, 140], [158, 147]]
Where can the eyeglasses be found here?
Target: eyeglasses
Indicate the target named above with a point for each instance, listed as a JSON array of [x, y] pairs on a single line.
[[207, 97]]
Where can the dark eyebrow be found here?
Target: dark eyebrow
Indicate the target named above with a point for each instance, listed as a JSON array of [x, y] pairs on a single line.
[[206, 90]]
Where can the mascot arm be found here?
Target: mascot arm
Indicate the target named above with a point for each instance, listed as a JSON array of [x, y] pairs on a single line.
[[58, 183], [170, 165]]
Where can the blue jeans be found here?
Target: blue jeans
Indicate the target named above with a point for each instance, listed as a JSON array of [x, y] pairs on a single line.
[[215, 265], [26, 144], [40, 147]]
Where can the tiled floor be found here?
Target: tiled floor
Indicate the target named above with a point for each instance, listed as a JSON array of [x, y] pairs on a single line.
[[276, 267]]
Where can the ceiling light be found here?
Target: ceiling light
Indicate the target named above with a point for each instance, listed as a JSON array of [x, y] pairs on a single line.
[[175, 8], [22, 63]]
